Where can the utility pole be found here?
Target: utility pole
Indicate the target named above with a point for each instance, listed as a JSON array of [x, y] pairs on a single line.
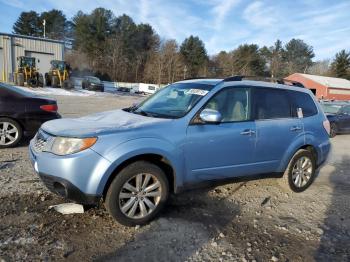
[[185, 71], [44, 24]]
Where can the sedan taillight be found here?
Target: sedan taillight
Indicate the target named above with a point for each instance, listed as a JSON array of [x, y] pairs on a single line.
[[49, 108], [327, 126]]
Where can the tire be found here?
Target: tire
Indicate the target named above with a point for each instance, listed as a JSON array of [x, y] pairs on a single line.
[[7, 124], [114, 202], [288, 182], [333, 131], [40, 80], [55, 81], [20, 79], [33, 82], [47, 79]]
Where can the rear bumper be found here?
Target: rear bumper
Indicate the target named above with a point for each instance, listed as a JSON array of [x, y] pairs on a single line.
[[96, 88], [323, 152]]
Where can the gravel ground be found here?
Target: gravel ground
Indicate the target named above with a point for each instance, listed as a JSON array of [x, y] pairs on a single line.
[[241, 221]]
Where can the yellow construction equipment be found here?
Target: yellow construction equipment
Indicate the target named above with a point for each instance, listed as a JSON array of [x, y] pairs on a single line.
[[58, 76], [27, 73]]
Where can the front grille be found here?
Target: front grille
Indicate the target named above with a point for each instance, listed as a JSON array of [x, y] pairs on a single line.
[[39, 144], [40, 141]]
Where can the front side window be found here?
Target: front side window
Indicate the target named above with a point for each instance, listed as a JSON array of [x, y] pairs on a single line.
[[232, 103], [173, 101], [271, 103]]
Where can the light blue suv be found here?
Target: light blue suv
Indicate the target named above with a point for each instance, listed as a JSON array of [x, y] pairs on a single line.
[[190, 132]]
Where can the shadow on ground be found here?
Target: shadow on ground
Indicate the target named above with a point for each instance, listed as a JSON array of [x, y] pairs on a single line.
[[188, 223], [335, 241]]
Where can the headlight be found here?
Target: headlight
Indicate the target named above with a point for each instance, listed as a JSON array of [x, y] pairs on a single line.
[[65, 145]]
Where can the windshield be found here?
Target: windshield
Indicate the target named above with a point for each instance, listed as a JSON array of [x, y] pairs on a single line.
[[94, 80], [173, 101], [331, 109]]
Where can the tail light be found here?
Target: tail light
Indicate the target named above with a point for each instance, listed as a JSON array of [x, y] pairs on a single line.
[[327, 126], [49, 108]]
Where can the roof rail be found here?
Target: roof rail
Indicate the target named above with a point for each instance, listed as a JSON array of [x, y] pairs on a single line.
[[233, 78], [279, 81], [286, 81]]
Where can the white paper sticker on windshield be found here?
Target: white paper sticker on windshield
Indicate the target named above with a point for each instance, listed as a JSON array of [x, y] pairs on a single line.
[[199, 92]]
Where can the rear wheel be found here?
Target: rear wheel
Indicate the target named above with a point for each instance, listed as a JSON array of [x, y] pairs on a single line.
[[40, 80], [300, 172], [10, 133], [333, 131], [137, 193], [47, 79], [55, 81]]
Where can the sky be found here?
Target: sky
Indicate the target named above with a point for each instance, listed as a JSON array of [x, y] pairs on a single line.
[[222, 25]]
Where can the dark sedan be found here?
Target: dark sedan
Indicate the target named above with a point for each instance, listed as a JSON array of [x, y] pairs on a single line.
[[22, 113], [338, 114], [92, 83]]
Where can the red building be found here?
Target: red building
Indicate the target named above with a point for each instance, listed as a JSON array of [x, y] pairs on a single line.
[[324, 87]]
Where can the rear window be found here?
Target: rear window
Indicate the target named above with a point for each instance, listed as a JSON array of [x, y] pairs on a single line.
[[271, 104], [303, 101]]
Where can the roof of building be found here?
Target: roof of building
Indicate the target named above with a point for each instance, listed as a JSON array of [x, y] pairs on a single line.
[[328, 81], [33, 38]]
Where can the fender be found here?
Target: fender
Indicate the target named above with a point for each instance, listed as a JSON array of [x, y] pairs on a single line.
[[140, 146], [292, 149]]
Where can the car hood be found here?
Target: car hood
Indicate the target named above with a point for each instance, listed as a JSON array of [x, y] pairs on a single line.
[[99, 124]]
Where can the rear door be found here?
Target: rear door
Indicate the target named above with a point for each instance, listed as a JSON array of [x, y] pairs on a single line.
[[276, 127]]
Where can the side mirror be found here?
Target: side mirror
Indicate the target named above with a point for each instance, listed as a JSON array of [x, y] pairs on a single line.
[[210, 116], [38, 60]]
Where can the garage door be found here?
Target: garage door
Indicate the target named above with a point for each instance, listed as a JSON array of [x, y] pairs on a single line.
[[1, 64], [45, 59]]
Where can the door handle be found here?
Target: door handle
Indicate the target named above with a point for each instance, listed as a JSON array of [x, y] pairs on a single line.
[[248, 132], [295, 128]]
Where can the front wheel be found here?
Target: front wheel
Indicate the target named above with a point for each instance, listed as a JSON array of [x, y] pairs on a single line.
[[300, 172], [137, 193]]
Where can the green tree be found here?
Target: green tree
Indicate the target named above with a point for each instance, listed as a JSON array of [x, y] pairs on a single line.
[[247, 60], [56, 24], [28, 23], [194, 54], [273, 56], [298, 56], [340, 66], [91, 32]]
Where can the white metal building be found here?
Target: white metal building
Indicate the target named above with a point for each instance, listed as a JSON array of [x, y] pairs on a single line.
[[13, 46]]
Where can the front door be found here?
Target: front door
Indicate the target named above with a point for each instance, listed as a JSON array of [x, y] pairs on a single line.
[[214, 151]]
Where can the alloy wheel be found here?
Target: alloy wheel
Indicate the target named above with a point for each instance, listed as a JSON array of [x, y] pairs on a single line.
[[140, 196], [8, 133], [302, 171]]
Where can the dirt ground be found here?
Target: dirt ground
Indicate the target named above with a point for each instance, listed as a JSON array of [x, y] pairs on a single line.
[[242, 221]]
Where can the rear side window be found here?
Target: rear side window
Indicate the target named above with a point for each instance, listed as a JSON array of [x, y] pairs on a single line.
[[271, 104], [305, 102]]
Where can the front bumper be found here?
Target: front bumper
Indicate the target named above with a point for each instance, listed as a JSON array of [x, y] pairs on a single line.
[[66, 189], [76, 177]]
